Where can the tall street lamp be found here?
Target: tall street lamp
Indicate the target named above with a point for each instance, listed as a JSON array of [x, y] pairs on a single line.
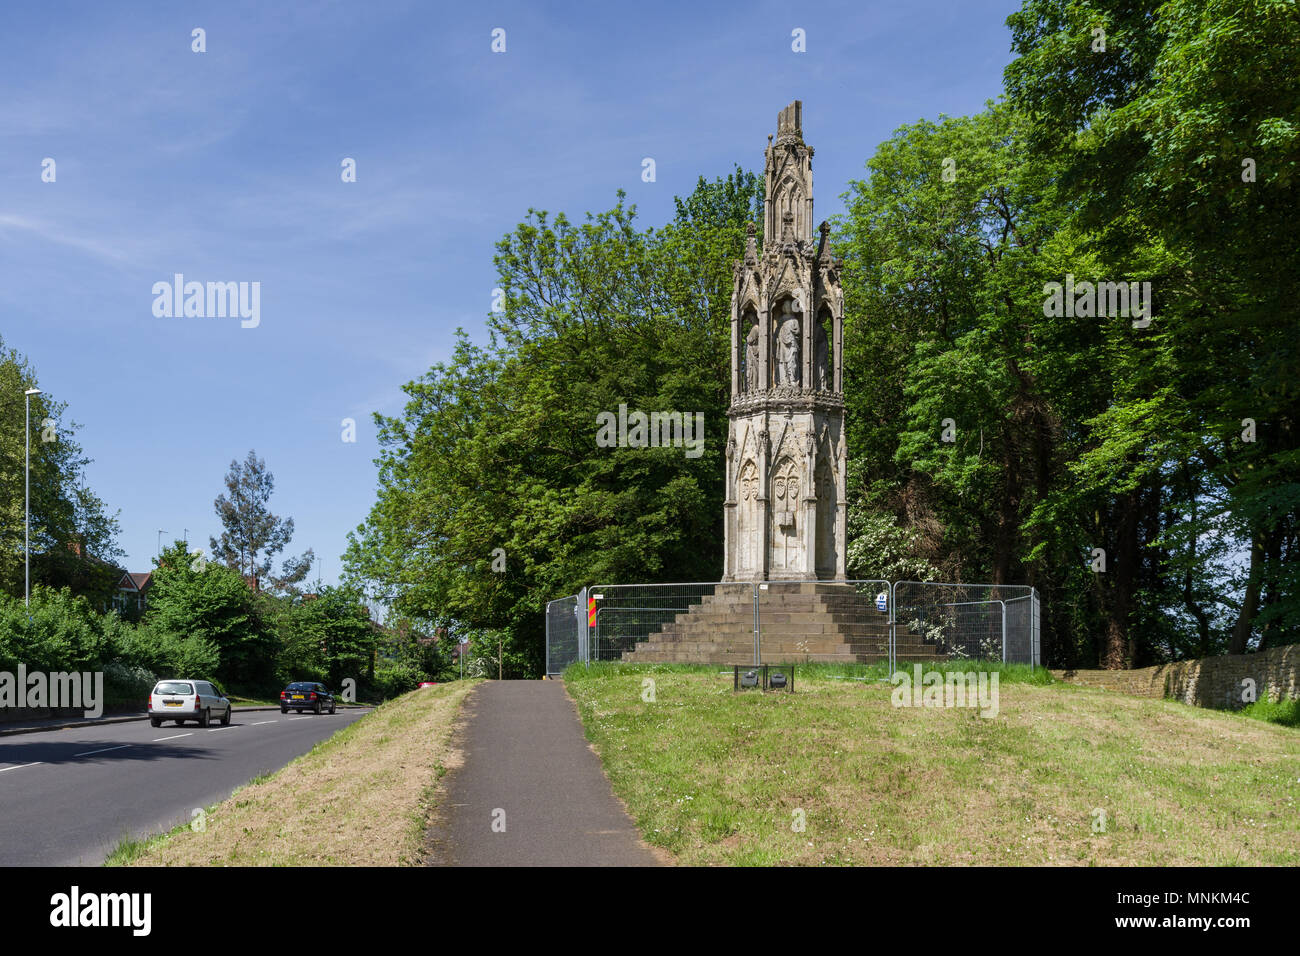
[[27, 509]]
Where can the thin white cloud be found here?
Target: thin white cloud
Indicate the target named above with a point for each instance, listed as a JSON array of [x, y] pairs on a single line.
[[114, 252]]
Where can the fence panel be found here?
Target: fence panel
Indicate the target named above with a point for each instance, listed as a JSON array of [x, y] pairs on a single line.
[[1036, 624], [563, 621], [1021, 636], [964, 621], [704, 622]]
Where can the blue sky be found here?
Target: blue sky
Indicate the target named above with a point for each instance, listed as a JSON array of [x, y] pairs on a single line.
[[225, 166]]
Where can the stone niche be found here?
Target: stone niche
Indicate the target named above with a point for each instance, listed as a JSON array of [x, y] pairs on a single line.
[[785, 506]]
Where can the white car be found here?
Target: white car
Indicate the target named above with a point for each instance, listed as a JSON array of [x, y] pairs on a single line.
[[182, 700]]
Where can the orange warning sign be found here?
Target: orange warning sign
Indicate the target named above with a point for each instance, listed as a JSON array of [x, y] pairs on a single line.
[[591, 612]]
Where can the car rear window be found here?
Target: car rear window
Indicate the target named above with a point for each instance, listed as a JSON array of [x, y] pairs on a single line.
[[301, 686], [174, 687]]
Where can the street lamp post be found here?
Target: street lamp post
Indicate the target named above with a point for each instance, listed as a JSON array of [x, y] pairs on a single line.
[[27, 508]]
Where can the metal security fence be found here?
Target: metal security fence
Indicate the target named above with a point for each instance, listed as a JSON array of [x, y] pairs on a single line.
[[628, 614], [970, 621], [566, 633], [753, 622]]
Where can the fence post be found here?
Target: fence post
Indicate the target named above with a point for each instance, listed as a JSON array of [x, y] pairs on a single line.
[[1034, 649], [580, 611], [892, 651], [758, 629], [1004, 632]]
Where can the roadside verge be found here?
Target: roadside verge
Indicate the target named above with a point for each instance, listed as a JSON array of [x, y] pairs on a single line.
[[363, 797]]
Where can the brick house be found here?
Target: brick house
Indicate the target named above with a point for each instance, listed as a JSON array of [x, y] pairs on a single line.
[[133, 592]]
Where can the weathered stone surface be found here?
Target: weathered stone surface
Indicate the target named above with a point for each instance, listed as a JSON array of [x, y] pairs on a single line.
[[785, 509], [1206, 682]]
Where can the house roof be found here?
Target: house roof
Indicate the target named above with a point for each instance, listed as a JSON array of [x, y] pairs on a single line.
[[135, 580], [77, 548]]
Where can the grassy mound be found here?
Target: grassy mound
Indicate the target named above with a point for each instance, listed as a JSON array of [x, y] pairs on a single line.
[[836, 774]]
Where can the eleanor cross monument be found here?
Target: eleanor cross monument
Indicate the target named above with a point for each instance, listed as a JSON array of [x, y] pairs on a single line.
[[785, 506]]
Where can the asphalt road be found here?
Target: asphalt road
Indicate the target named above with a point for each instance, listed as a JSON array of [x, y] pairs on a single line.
[[68, 796], [531, 792]]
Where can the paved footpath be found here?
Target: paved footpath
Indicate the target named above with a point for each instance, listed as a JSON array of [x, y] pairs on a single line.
[[527, 766]]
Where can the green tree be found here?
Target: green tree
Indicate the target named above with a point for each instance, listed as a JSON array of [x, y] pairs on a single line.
[[1178, 150], [64, 632], [205, 602], [73, 536], [253, 536], [333, 635]]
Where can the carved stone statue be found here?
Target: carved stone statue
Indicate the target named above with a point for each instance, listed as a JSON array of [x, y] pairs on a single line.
[[787, 344], [751, 359]]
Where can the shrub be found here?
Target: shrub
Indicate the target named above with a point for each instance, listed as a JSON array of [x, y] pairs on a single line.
[[394, 679], [165, 653], [127, 684], [64, 633], [1285, 711]]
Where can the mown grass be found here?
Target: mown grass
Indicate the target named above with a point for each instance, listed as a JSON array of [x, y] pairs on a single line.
[[363, 797], [1062, 775]]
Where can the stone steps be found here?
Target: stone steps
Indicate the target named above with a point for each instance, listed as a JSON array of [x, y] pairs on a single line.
[[789, 647], [804, 621], [746, 657], [795, 628], [705, 653], [791, 640], [859, 612]]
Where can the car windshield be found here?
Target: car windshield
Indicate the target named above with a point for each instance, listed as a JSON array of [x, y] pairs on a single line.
[[174, 687]]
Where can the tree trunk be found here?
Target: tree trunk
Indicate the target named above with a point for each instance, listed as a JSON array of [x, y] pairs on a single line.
[[1117, 650], [1272, 573], [1250, 602]]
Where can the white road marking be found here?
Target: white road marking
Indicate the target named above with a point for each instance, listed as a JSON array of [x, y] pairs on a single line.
[[215, 729], [103, 751], [20, 766], [260, 722], [172, 737]]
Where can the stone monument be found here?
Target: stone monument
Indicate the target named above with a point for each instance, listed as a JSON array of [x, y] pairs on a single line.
[[785, 506]]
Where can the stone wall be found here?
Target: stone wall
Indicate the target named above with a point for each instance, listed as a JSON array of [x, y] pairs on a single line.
[[1205, 682]]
